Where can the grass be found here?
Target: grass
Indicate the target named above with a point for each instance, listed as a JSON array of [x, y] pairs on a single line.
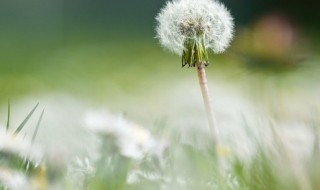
[[179, 165]]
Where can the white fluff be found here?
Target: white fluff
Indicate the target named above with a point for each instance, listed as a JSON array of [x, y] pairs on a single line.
[[183, 19]]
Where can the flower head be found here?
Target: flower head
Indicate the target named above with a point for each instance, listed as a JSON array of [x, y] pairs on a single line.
[[190, 27], [17, 145], [132, 140]]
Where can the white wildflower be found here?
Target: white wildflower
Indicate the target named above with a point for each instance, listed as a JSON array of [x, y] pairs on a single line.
[[132, 140], [16, 145], [79, 170], [135, 176], [13, 180], [185, 23]]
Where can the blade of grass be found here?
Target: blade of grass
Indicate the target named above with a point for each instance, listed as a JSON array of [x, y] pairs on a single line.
[[37, 127], [25, 120], [8, 121]]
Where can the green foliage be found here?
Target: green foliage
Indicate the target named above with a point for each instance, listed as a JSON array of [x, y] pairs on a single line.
[[189, 167], [186, 166], [111, 168]]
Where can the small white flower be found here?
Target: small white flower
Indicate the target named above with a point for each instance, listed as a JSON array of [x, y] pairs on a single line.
[[132, 140], [79, 170], [16, 145], [13, 180], [182, 23]]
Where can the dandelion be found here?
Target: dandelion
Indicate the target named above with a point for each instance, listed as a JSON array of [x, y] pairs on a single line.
[[191, 28]]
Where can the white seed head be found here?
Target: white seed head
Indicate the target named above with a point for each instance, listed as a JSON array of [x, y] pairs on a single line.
[[180, 20]]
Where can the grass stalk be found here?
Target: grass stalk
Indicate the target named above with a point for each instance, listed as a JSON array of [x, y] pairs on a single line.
[[8, 119]]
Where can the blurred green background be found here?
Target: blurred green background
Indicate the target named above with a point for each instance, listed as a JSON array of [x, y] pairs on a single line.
[[105, 51], [77, 56]]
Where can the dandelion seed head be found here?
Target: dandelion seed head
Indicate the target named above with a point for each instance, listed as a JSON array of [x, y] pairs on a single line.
[[181, 20]]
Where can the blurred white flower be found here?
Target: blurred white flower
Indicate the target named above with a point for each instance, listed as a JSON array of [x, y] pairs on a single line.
[[79, 170], [84, 165], [16, 145], [132, 140], [205, 21], [13, 180], [135, 176]]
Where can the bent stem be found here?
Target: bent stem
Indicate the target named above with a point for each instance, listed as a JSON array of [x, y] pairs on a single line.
[[206, 96]]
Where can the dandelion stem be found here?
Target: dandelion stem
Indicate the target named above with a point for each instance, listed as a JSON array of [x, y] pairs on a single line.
[[206, 97]]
